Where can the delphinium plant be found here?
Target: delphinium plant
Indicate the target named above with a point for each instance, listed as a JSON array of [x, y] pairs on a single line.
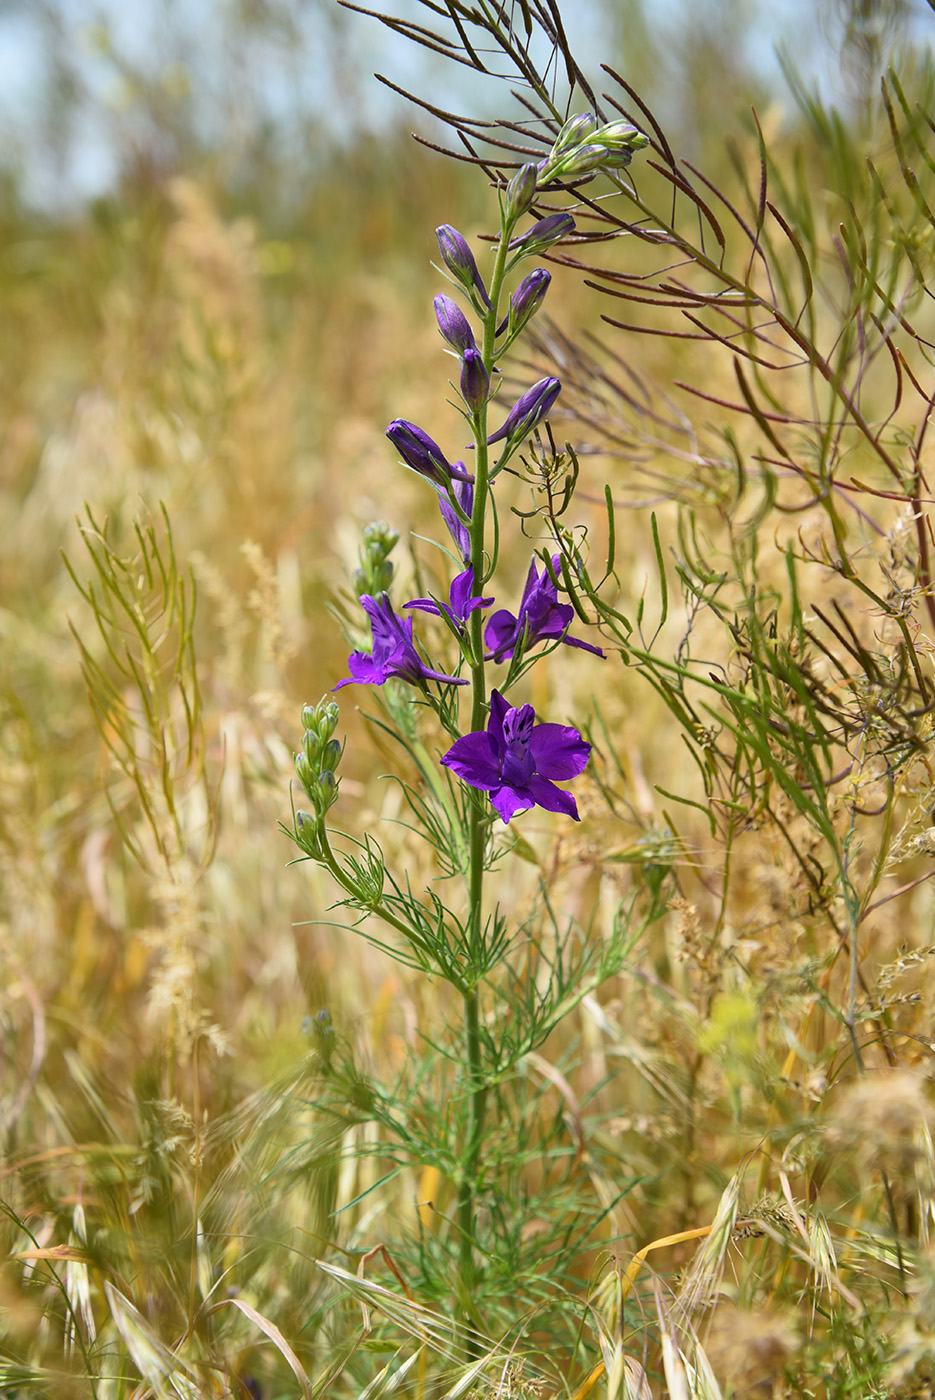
[[477, 754], [799, 688]]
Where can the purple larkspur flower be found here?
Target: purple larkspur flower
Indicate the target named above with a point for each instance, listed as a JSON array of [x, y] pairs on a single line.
[[541, 617], [461, 601], [529, 410], [394, 653], [423, 454], [464, 495], [517, 760]]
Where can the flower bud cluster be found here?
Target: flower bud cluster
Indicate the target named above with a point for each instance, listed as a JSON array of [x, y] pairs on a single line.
[[317, 764], [452, 322], [583, 146], [376, 572]]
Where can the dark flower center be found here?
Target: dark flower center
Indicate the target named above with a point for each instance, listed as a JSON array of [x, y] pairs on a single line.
[[517, 765]]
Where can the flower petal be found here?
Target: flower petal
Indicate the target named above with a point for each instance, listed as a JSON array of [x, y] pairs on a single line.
[[553, 799], [559, 751], [474, 759], [508, 801]]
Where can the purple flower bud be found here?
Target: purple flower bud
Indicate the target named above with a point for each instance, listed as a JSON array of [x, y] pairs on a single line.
[[475, 381], [521, 191], [453, 324], [544, 233], [459, 260], [526, 300], [464, 495], [528, 411], [419, 451]]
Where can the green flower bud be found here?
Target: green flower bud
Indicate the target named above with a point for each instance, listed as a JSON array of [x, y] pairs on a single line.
[[575, 132], [521, 191], [306, 775], [331, 755], [306, 833]]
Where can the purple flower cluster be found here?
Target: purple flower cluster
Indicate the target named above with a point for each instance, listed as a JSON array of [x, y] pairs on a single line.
[[515, 759]]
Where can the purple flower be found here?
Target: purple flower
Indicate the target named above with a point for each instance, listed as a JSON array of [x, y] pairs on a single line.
[[459, 260], [516, 760], [393, 651], [423, 454], [541, 617], [453, 324], [529, 410], [464, 495], [461, 601]]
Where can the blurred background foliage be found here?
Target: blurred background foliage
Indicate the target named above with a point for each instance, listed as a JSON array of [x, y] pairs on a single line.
[[215, 280]]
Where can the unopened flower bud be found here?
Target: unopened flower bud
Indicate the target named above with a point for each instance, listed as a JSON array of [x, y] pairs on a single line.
[[528, 411], [464, 495], [306, 774], [309, 716], [521, 191], [619, 134], [526, 300], [378, 537], [453, 324], [419, 451], [326, 792], [543, 234], [459, 260], [328, 715], [331, 754], [475, 381], [305, 828], [582, 160], [310, 747], [575, 132], [376, 572]]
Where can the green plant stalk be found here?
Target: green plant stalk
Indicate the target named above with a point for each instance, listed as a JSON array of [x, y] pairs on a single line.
[[477, 831]]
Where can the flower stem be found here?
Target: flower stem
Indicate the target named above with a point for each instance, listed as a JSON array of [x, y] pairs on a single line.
[[478, 820]]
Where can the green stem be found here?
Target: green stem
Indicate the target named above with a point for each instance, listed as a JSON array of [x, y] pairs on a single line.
[[477, 817]]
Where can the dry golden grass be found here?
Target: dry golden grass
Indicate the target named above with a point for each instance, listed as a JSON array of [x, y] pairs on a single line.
[[170, 1176]]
